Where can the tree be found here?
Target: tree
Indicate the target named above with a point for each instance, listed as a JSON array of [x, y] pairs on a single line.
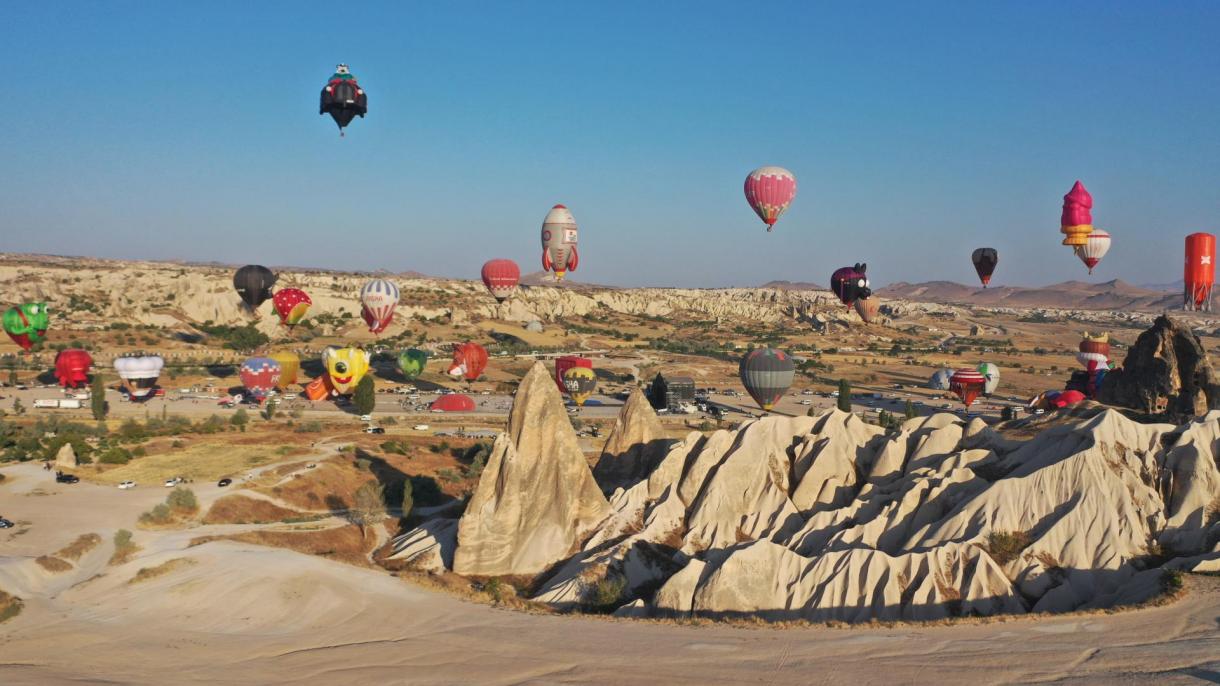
[[97, 398], [408, 498], [12, 373], [364, 399], [269, 409], [844, 395], [369, 505], [908, 410], [18, 408], [240, 418]]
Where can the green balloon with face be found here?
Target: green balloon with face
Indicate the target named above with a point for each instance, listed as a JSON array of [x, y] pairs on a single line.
[[412, 362], [27, 324]]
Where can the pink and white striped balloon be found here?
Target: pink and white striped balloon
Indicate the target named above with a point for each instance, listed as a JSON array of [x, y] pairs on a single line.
[[1096, 246], [770, 191]]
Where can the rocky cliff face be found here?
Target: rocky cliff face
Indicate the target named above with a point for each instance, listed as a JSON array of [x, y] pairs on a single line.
[[827, 518], [536, 501], [1166, 372], [635, 446]]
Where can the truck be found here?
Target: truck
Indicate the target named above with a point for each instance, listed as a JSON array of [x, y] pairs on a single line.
[[52, 403]]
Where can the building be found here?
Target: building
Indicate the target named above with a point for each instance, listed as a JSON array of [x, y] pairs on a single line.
[[671, 392]]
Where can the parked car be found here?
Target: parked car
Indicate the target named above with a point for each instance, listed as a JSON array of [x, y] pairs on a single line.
[[66, 478], [170, 483], [366, 417], [224, 482], [127, 484], [374, 430], [5, 524], [420, 427]]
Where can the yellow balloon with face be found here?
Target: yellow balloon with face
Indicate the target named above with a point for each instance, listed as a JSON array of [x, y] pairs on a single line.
[[345, 367]]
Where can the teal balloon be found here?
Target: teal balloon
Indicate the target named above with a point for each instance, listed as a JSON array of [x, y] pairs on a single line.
[[412, 362]]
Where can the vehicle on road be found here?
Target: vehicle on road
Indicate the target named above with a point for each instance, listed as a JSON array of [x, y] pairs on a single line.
[[5, 524], [374, 430], [806, 402], [170, 483], [224, 482], [366, 417], [62, 478], [420, 427], [127, 484], [311, 465]]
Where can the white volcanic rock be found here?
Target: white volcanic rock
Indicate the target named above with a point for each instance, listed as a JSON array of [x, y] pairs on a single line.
[[635, 446], [428, 548], [536, 501], [66, 457]]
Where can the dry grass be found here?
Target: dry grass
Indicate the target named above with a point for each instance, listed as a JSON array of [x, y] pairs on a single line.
[[1005, 546], [147, 573], [237, 509], [123, 547], [53, 564], [83, 544], [201, 462], [343, 543], [10, 606]]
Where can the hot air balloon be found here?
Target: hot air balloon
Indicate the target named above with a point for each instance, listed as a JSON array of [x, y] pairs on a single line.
[[985, 260], [1200, 272], [766, 374], [291, 304], [770, 191], [579, 383], [411, 362], [1076, 222], [868, 308], [991, 374], [1094, 351], [1096, 245], [253, 283], [72, 367], [967, 384], [343, 99], [27, 324], [139, 374], [850, 283], [345, 367], [501, 278], [469, 361], [453, 402], [559, 235], [290, 367], [563, 364], [260, 376], [378, 299], [940, 380]]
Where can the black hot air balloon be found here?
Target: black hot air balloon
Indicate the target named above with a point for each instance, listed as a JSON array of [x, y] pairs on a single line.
[[343, 99], [767, 373], [253, 283], [850, 283], [985, 260]]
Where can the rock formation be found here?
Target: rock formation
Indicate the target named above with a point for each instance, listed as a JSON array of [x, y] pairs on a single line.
[[1166, 373], [635, 445], [536, 501], [828, 518], [66, 457]]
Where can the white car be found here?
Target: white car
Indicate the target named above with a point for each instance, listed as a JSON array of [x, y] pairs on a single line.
[[170, 483], [420, 427], [806, 402], [127, 484], [366, 417]]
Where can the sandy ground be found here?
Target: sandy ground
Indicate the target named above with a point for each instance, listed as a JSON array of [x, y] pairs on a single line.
[[252, 615]]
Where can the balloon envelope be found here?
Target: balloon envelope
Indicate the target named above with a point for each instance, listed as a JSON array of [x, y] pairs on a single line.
[[967, 384], [991, 374], [579, 382], [453, 402], [940, 380], [1199, 275], [850, 283], [559, 237], [1095, 247], [985, 260], [291, 304], [469, 361], [868, 308], [345, 367], [770, 191], [139, 373], [260, 375], [767, 374], [72, 367], [411, 362], [501, 278], [378, 299], [253, 283], [563, 364], [290, 367], [27, 324]]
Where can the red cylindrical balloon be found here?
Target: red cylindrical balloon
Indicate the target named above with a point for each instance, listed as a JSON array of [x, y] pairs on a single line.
[[1200, 272], [453, 402], [469, 361], [563, 364], [72, 368], [501, 277]]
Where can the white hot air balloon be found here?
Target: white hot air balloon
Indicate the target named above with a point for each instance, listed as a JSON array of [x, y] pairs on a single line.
[[991, 373], [940, 380], [1095, 247], [378, 299], [139, 374]]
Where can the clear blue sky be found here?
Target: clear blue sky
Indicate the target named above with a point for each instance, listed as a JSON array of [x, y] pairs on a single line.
[[918, 131]]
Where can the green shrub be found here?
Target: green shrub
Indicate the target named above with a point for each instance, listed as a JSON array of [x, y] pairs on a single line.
[[182, 500], [1004, 546], [115, 455], [606, 594]]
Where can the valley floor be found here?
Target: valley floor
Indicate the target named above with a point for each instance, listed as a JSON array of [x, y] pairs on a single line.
[[244, 614]]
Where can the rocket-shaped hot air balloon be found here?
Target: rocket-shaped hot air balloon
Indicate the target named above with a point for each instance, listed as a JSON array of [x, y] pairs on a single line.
[[559, 235], [1076, 222], [1200, 272]]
